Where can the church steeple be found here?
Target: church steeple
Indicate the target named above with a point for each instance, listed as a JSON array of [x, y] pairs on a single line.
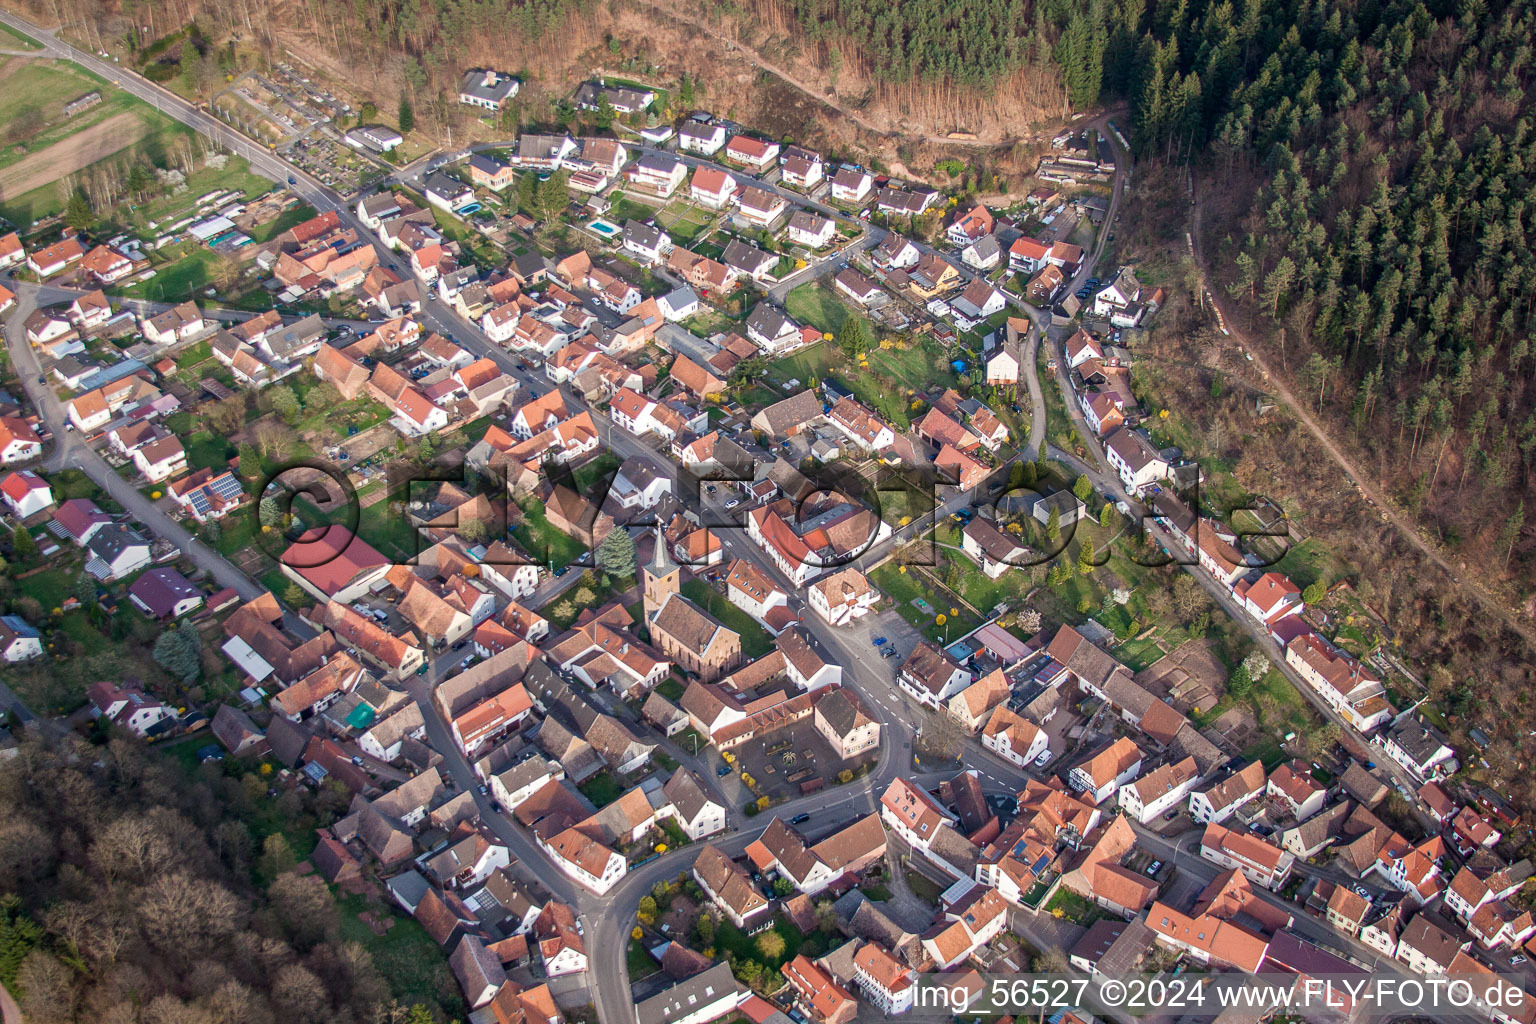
[[661, 576]]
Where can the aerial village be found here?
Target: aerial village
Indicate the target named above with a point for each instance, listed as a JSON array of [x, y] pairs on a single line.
[[661, 724]]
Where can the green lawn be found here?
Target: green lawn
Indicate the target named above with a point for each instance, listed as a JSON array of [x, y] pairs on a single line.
[[623, 208], [545, 543], [812, 304], [1070, 906], [1308, 562], [282, 222], [729, 938], [194, 354], [806, 365], [18, 40], [602, 789], [922, 887], [33, 119], [234, 176], [51, 587], [191, 271], [640, 962], [671, 689], [407, 957], [755, 641], [904, 588], [204, 450]]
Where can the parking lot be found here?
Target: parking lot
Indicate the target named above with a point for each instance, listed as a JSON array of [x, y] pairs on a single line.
[[783, 761]]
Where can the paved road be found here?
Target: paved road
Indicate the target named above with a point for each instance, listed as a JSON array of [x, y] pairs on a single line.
[[70, 451], [57, 294], [607, 916], [1110, 484]]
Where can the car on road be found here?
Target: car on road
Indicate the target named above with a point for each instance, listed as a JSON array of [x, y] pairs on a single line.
[[484, 789], [292, 180], [1362, 892], [800, 819], [357, 760], [562, 570], [731, 504], [722, 771], [879, 641], [42, 378], [1516, 960]]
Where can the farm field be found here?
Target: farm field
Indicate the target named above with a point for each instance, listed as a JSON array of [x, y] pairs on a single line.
[[44, 145]]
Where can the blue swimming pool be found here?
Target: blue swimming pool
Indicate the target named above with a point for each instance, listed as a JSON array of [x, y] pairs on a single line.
[[606, 228]]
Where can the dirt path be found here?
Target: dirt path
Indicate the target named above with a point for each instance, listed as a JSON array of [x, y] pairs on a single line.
[[71, 154], [1401, 522]]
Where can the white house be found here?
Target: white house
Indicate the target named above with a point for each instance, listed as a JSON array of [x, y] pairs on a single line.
[[1137, 462], [646, 241], [658, 173], [811, 231], [979, 300], [852, 186], [19, 639], [129, 707], [18, 441], [115, 552], [1013, 737], [175, 324], [386, 738], [843, 597], [711, 187], [1162, 789], [984, 254], [696, 812], [760, 207], [698, 137], [885, 981], [1109, 768], [695, 1000], [25, 493], [995, 551], [679, 304], [1125, 300], [931, 676]]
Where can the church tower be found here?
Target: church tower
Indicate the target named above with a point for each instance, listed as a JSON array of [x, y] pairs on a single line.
[[662, 577]]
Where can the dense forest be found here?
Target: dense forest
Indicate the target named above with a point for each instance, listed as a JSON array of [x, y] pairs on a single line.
[[1377, 158], [135, 891]]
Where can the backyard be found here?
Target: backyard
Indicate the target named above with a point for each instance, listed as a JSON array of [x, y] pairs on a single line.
[[813, 304], [755, 641]]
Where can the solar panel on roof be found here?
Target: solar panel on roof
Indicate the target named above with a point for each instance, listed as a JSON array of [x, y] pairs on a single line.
[[1040, 864]]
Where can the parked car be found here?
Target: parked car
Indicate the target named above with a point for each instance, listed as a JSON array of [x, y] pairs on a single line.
[[731, 504], [722, 771], [357, 760], [1517, 960], [1155, 867], [879, 641], [1044, 758], [889, 652]]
